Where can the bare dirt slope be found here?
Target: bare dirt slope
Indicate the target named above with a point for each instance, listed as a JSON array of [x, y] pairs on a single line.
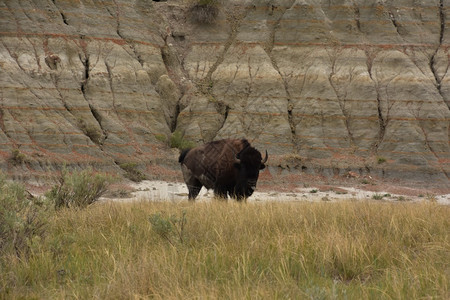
[[327, 87]]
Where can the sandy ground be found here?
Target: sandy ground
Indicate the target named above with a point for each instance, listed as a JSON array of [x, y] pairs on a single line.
[[176, 192]]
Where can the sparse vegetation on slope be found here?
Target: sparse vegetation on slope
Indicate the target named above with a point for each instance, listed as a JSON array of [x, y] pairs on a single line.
[[17, 157], [132, 172], [354, 250], [204, 11], [177, 141]]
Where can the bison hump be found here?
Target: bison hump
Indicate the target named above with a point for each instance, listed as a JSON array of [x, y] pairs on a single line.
[[183, 155]]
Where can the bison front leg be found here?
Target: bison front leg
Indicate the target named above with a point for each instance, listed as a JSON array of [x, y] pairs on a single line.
[[220, 193], [193, 184], [238, 196], [241, 192], [194, 189]]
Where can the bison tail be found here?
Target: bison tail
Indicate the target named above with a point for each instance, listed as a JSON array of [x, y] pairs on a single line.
[[183, 155]]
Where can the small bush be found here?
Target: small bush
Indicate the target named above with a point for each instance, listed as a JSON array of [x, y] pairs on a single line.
[[93, 134], [381, 160], [377, 196], [91, 131], [204, 11], [79, 189], [169, 228], [177, 141], [132, 172], [313, 191], [431, 198], [22, 218], [17, 157]]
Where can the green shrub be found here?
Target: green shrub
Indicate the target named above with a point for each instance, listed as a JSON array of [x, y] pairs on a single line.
[[170, 227], [17, 157], [161, 138], [22, 218], [79, 189], [177, 141], [381, 160], [377, 196], [204, 11], [132, 172]]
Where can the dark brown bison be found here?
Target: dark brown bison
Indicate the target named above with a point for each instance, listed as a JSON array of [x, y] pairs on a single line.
[[230, 167]]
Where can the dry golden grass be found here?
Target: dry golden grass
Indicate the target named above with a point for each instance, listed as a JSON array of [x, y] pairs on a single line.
[[355, 250]]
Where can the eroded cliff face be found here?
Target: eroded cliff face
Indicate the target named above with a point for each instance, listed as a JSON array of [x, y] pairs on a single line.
[[325, 86]]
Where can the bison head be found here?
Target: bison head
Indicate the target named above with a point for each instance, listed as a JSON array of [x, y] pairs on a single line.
[[248, 163]]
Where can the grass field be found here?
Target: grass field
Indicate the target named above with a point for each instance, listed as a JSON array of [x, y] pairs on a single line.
[[140, 250]]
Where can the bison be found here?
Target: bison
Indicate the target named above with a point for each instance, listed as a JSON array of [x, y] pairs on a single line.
[[230, 167]]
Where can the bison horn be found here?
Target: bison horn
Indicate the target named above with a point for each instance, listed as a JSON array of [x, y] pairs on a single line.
[[265, 158]]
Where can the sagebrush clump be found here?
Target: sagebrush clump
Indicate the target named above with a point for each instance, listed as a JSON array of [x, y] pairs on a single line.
[[22, 218], [79, 189], [17, 157], [170, 228]]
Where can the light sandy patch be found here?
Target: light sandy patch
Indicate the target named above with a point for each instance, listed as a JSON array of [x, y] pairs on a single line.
[[177, 191]]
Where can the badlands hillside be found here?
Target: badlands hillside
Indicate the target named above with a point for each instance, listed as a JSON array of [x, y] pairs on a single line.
[[328, 87]]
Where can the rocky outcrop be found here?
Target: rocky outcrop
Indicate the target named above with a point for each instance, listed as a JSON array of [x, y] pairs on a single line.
[[325, 86], [82, 83]]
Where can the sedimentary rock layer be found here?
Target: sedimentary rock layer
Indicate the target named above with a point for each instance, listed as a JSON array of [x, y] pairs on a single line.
[[337, 85]]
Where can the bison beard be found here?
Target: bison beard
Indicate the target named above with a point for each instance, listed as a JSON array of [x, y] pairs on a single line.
[[230, 167]]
